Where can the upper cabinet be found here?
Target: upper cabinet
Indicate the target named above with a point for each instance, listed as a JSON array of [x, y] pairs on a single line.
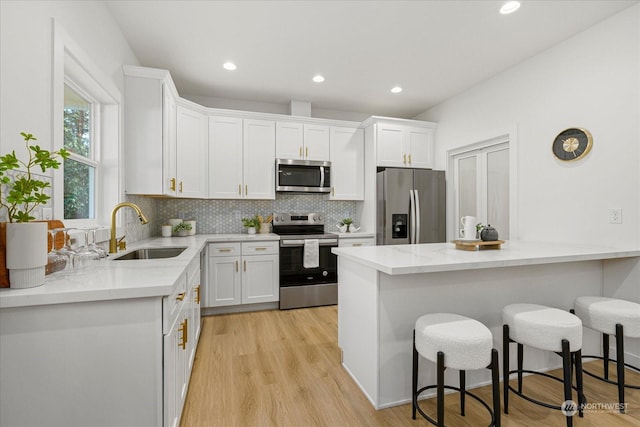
[[347, 163], [150, 131], [192, 143], [241, 158], [402, 143], [166, 141], [300, 141]]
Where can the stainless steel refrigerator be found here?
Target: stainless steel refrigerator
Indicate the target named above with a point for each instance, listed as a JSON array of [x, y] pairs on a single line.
[[410, 206]]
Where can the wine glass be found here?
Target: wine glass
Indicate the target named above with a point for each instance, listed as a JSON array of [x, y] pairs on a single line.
[[86, 254], [94, 246], [67, 251], [55, 261]]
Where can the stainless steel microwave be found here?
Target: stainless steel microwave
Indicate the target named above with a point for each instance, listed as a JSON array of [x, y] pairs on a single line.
[[303, 176]]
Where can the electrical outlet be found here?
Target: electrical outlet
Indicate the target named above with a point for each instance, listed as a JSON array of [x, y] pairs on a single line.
[[47, 214], [615, 216]]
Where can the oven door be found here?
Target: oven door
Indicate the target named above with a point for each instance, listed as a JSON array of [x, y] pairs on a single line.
[[292, 271]]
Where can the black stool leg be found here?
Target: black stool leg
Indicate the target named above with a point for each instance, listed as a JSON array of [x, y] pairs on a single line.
[[620, 364], [495, 385], [579, 385], [462, 391], [566, 369], [505, 366], [520, 358], [414, 379], [440, 388], [605, 355]]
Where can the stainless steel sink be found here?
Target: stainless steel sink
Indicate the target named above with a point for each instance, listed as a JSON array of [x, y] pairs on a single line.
[[151, 253]]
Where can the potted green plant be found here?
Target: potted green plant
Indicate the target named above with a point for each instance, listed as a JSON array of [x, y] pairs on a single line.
[[182, 229], [347, 222], [252, 224], [21, 192]]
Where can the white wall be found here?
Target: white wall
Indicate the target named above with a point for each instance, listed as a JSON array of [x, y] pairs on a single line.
[[25, 60], [591, 80]]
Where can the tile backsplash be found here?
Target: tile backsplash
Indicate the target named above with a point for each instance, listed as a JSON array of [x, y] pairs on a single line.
[[223, 216]]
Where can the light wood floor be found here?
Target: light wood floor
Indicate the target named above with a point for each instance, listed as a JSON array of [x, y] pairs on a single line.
[[282, 368]]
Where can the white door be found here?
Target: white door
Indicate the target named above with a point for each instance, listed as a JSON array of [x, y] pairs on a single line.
[[347, 164], [259, 159], [224, 281], [260, 279], [289, 140], [192, 153], [481, 187], [316, 142], [420, 142], [225, 158], [389, 146]]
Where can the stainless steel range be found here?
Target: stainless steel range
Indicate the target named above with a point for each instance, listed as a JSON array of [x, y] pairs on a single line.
[[308, 269]]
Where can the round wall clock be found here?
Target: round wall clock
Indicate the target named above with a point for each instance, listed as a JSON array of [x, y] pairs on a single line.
[[572, 144]]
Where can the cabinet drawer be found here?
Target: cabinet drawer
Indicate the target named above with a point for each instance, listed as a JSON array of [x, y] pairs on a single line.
[[260, 248], [171, 304], [224, 249], [366, 241]]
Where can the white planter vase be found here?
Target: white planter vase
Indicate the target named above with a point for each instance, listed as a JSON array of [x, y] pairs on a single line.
[[26, 254], [251, 230]]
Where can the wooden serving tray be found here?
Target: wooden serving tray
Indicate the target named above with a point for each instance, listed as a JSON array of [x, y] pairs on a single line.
[[472, 245]]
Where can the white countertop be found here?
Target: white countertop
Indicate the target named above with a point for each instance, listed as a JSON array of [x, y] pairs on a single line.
[[354, 235], [109, 279], [434, 257]]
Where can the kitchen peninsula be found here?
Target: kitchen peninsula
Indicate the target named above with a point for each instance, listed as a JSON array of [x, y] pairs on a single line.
[[382, 290]]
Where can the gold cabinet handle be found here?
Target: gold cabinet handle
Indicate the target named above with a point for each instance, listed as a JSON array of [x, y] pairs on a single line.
[[239, 189], [172, 186], [246, 189], [224, 250], [181, 186], [245, 266], [333, 191], [184, 330], [180, 296], [357, 244], [301, 151], [261, 249], [198, 294], [306, 152], [236, 266], [409, 158], [404, 158]]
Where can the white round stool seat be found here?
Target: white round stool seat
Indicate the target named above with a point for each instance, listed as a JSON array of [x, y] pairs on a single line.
[[602, 314], [466, 343], [542, 327]]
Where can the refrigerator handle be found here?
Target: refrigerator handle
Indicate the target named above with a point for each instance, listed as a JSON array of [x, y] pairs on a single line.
[[412, 218], [418, 218]]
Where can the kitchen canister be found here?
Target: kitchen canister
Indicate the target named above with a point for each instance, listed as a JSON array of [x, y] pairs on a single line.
[[167, 230]]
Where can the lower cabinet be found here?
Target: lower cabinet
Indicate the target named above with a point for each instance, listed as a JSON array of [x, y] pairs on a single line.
[[356, 241], [182, 314], [242, 273]]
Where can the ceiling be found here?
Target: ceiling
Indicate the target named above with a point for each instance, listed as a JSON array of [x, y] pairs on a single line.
[[432, 49]]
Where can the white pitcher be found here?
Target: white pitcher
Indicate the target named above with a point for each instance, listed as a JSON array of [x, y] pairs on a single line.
[[468, 221]]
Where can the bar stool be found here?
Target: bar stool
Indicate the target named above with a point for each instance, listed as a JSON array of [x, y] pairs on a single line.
[[457, 342], [548, 329], [616, 317]]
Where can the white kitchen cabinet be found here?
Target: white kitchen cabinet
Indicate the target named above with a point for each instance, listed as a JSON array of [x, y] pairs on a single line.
[[347, 163], [300, 141], [242, 273], [193, 292], [399, 145], [149, 131], [356, 241], [192, 153], [241, 158]]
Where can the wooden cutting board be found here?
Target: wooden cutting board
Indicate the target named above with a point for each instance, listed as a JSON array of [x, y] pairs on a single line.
[[4, 273]]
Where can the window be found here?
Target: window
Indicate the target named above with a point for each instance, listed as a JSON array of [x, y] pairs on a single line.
[[80, 168], [86, 121]]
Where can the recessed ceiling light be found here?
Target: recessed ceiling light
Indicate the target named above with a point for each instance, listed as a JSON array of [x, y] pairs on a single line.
[[230, 66], [396, 89], [509, 7], [318, 78]]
